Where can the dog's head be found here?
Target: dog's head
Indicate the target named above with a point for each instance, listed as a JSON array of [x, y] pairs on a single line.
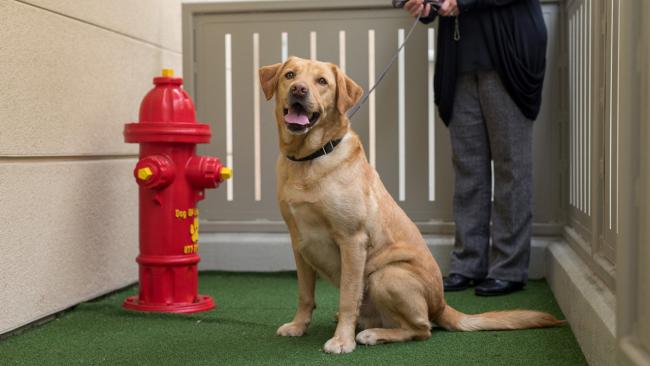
[[309, 94]]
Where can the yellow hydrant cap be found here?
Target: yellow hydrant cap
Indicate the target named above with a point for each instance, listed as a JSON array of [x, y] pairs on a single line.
[[144, 173], [225, 173], [168, 73]]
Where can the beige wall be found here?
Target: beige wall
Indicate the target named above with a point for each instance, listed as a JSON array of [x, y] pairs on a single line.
[[73, 72]]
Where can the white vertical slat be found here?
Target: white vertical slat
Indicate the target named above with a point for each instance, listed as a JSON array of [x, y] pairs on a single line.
[[574, 109], [371, 100], [401, 117], [570, 33], [229, 157], [256, 118], [342, 50], [618, 121], [284, 54], [580, 92], [575, 112], [570, 104], [583, 74], [580, 100], [611, 115], [578, 130], [572, 112], [589, 94], [581, 132], [312, 46], [574, 122], [578, 115], [585, 81], [431, 114]]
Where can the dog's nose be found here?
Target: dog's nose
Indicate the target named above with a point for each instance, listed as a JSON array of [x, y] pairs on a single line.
[[299, 90]]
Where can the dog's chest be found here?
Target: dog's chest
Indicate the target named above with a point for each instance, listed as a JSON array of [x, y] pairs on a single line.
[[316, 244]]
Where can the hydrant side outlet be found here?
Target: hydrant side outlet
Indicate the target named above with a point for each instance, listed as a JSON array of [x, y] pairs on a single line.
[[171, 180]]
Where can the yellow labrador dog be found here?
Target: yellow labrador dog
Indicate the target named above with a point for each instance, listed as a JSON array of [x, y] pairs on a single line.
[[345, 226]]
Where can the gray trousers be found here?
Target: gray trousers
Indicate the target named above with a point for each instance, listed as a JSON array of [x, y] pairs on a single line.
[[488, 126]]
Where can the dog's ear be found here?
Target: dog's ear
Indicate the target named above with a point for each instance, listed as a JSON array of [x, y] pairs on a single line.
[[348, 92], [269, 79]]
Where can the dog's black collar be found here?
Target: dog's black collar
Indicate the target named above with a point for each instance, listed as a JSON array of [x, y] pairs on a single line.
[[326, 149]]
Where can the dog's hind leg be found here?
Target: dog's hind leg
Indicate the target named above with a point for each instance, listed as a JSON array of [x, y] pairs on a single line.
[[399, 298]]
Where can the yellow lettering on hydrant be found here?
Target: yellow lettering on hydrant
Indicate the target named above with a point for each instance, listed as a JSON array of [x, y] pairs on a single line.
[[192, 248]]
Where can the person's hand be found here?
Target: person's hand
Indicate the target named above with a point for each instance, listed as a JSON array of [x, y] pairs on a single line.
[[449, 8], [414, 7]]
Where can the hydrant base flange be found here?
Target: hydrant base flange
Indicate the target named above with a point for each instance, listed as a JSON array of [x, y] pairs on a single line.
[[204, 303]]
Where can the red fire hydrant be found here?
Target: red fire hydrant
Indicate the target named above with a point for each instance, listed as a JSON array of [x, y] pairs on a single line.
[[172, 179]]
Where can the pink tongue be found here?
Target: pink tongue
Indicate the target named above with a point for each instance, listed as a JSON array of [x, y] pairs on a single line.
[[299, 119]]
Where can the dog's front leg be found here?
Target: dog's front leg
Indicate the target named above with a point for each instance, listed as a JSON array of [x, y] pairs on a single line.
[[306, 289], [306, 304], [353, 260]]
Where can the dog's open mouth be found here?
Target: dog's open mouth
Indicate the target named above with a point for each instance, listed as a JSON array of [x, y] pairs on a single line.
[[298, 119]]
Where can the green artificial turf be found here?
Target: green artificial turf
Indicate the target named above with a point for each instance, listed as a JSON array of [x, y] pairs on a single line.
[[241, 331]]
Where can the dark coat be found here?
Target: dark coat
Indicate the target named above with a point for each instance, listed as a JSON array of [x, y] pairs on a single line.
[[516, 38]]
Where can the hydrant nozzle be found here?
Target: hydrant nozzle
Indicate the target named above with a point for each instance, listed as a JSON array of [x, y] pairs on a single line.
[[144, 173], [225, 173], [206, 172]]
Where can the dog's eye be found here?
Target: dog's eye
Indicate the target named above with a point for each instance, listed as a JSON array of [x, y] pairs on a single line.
[[290, 75], [322, 81]]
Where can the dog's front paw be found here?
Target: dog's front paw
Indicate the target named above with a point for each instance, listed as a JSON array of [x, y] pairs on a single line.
[[291, 330], [339, 345]]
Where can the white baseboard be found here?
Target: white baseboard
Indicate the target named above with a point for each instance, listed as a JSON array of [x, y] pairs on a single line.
[[271, 252], [587, 303]]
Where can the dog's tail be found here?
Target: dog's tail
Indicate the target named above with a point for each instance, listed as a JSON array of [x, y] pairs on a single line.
[[452, 319]]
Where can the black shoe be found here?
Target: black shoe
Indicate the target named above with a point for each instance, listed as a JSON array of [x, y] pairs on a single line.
[[456, 282], [492, 287]]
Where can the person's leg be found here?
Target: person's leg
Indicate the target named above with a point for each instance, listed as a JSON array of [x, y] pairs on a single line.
[[471, 160], [511, 140]]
